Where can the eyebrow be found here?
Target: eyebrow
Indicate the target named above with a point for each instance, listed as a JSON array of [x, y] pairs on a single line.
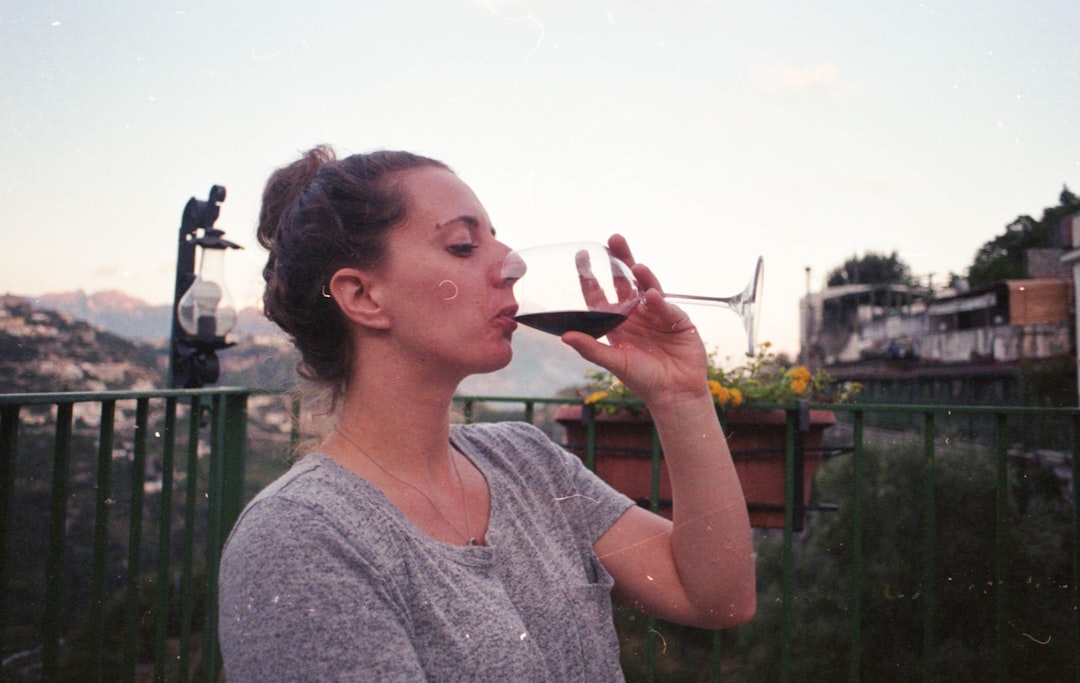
[[472, 221]]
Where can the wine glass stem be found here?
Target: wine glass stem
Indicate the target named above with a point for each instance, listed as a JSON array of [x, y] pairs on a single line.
[[725, 301]]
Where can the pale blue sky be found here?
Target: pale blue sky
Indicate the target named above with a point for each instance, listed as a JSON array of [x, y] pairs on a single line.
[[707, 132]]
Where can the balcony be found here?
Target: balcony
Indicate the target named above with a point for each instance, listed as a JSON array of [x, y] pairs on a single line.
[[942, 537]]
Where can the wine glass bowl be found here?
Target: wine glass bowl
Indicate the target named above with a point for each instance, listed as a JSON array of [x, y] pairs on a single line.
[[571, 286], [582, 286]]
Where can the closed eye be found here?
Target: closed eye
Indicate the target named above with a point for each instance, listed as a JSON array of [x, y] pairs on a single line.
[[463, 249]]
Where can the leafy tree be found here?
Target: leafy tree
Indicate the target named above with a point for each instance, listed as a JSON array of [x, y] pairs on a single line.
[[1002, 258], [871, 269]]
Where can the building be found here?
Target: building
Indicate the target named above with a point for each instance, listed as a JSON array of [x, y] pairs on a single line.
[[1010, 342]]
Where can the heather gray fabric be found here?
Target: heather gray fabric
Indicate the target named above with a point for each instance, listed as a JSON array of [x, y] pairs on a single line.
[[324, 579]]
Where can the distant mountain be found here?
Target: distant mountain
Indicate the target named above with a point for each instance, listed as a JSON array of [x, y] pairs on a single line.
[[130, 317], [542, 367], [112, 310], [263, 358]]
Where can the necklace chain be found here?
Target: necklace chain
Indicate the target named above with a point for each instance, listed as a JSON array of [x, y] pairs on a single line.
[[467, 537]]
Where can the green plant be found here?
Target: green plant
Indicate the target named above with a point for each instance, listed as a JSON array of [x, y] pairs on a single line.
[[964, 594], [766, 377]]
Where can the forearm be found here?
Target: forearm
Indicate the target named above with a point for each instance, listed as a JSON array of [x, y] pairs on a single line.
[[711, 542]]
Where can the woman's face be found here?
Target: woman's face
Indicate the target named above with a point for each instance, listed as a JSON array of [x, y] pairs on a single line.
[[445, 298]]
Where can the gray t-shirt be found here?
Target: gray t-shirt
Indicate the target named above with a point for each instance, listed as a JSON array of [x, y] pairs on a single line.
[[324, 579]]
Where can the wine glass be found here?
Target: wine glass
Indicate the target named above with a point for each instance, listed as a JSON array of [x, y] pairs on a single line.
[[581, 286]]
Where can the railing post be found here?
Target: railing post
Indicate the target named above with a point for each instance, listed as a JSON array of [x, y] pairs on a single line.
[[656, 454], [102, 504], [134, 566], [1076, 540], [187, 572], [294, 424], [214, 539], [588, 416], [790, 436], [54, 569], [164, 550], [1001, 504], [798, 465], [235, 443], [855, 671], [9, 437], [929, 545]]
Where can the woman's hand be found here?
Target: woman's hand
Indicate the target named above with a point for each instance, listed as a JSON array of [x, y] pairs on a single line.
[[657, 352]]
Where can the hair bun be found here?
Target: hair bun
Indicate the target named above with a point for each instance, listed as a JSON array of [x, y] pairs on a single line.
[[284, 189]]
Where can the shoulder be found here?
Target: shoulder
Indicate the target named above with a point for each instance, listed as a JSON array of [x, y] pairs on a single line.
[[315, 487], [519, 435], [513, 446], [315, 507]]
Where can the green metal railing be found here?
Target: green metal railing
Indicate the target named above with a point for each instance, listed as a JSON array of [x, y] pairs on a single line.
[[114, 507], [113, 615], [1009, 429]]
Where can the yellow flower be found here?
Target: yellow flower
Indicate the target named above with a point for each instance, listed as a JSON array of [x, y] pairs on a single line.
[[720, 393], [799, 373], [736, 397], [595, 396], [799, 386], [715, 388]]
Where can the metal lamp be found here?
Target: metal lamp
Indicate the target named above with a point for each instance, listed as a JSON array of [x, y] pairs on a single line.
[[203, 309]]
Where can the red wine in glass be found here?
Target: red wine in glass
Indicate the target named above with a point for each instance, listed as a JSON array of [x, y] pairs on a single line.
[[592, 323]]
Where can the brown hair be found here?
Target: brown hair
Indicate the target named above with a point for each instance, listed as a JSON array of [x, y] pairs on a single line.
[[320, 214]]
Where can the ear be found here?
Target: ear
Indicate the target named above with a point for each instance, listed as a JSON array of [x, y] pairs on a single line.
[[354, 293]]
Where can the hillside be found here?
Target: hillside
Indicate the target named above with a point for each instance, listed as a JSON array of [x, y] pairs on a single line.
[[48, 351], [47, 345]]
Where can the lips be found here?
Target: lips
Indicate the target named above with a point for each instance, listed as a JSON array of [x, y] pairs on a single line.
[[506, 317]]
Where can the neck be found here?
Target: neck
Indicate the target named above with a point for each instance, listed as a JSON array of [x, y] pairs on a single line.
[[429, 490], [394, 430], [402, 422]]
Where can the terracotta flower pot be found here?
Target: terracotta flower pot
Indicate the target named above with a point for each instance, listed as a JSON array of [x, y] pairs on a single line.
[[757, 439]]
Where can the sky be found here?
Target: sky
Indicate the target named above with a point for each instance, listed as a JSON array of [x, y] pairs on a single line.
[[706, 132]]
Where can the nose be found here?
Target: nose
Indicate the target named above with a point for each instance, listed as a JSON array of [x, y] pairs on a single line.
[[510, 267], [513, 267]]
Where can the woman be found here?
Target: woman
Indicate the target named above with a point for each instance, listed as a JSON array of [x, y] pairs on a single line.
[[407, 548]]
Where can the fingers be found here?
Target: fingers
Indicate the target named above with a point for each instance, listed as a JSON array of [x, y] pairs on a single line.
[[595, 352], [625, 288], [598, 294], [591, 290], [620, 249], [646, 278]]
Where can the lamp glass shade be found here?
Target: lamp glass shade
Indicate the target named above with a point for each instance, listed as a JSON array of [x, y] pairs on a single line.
[[206, 309]]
